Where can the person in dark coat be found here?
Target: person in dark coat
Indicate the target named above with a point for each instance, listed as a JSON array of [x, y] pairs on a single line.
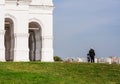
[[92, 55]]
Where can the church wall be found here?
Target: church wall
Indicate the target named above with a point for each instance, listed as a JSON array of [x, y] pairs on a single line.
[[21, 51], [22, 14]]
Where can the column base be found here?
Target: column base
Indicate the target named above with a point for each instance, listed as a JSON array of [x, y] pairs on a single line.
[[47, 56], [2, 48], [2, 55], [21, 55]]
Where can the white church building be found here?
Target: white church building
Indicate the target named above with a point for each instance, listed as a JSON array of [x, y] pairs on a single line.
[[26, 30]]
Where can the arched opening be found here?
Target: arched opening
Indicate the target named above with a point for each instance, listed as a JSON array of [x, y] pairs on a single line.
[[35, 42], [9, 39]]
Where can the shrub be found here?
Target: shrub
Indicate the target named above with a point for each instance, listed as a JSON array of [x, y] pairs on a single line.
[[57, 58]]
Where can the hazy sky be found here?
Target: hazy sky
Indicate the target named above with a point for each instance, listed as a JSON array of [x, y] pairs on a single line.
[[82, 24]]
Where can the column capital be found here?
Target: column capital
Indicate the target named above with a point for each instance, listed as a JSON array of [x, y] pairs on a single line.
[[47, 37], [21, 51], [21, 34]]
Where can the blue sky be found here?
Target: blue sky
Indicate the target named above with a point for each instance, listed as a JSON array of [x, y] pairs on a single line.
[[82, 24]]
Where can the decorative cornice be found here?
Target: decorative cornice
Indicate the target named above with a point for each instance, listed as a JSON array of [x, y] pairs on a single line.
[[31, 6], [18, 2], [43, 7]]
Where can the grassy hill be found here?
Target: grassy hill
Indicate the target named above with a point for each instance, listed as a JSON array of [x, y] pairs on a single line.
[[58, 73]]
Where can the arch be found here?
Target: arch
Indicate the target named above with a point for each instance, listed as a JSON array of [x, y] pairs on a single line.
[[37, 21], [9, 39], [13, 18], [7, 15], [35, 40]]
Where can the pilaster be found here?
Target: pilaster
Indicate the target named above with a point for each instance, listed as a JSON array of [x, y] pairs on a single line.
[[47, 49], [2, 48], [21, 52], [2, 32]]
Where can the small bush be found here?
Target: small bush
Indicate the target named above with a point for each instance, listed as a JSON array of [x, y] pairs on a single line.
[[57, 58]]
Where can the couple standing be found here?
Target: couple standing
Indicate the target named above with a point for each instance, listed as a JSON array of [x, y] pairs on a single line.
[[91, 56]]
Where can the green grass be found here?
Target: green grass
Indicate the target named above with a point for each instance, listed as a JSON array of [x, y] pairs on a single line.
[[58, 73]]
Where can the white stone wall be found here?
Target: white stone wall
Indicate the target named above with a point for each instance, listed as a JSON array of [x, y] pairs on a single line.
[[22, 13]]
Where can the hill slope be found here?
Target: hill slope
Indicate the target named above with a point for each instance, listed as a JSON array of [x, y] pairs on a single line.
[[58, 73]]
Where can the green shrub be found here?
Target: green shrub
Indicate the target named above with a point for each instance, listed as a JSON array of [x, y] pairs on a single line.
[[57, 58]]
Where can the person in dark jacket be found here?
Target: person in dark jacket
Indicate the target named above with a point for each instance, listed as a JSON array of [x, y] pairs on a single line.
[[92, 55]]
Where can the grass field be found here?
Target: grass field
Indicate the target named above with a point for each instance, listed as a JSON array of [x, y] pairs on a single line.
[[58, 73]]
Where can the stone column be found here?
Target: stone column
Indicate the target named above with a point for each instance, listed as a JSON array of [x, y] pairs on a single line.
[[21, 52], [2, 31], [47, 49], [2, 48], [47, 38]]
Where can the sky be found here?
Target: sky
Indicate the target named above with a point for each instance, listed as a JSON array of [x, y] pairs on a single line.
[[83, 24]]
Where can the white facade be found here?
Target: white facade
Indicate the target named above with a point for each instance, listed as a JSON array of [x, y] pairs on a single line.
[[26, 30]]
